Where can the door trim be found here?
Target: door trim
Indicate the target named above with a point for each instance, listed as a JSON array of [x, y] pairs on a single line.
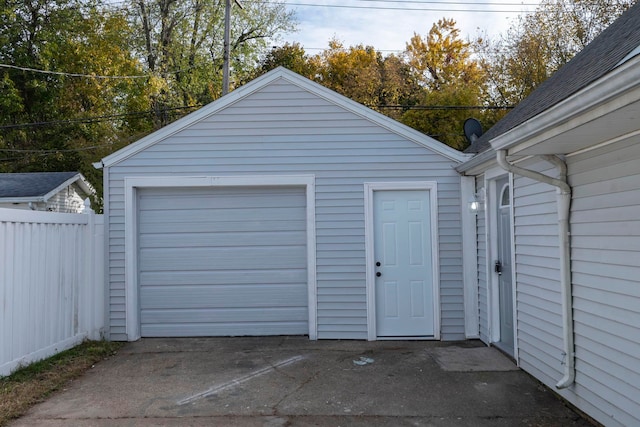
[[131, 184], [369, 188], [470, 258]]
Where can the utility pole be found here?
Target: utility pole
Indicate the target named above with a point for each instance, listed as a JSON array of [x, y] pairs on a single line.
[[227, 42]]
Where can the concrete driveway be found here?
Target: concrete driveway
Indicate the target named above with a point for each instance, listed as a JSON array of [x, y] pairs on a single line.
[[291, 381]]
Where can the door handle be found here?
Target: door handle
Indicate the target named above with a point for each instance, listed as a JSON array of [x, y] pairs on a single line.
[[378, 274], [378, 264], [498, 268]]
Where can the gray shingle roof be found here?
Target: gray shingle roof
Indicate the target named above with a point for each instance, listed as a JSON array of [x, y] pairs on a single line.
[[31, 184], [598, 58]]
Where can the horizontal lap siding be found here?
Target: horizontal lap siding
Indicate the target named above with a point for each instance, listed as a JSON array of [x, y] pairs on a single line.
[[283, 129], [606, 281], [537, 275]]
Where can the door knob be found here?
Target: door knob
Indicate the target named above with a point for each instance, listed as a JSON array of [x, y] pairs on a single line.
[[378, 274], [378, 264]]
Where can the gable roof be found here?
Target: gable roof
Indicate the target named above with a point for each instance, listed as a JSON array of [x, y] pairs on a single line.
[[302, 82], [616, 44], [38, 186]]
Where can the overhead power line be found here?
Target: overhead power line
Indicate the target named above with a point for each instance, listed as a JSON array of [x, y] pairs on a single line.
[[60, 73], [95, 119], [446, 107], [418, 9], [451, 3], [98, 119], [53, 151]]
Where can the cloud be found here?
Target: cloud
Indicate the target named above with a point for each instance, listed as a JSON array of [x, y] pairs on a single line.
[[390, 30]]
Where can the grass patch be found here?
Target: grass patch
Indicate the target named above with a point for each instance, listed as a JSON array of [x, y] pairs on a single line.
[[34, 383]]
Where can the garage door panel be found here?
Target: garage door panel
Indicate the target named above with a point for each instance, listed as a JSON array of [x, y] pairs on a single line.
[[233, 315], [222, 261], [205, 201], [224, 329], [222, 239], [231, 216], [215, 227], [198, 193], [220, 296], [186, 259], [228, 277]]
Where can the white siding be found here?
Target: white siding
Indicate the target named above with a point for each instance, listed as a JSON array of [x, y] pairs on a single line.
[[68, 200], [606, 281], [605, 251], [282, 129], [537, 275]]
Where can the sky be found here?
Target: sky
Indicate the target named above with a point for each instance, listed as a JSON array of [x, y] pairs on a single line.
[[374, 23]]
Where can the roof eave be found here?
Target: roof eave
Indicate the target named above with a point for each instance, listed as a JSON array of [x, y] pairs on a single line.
[[478, 163], [77, 179], [592, 101], [34, 199]]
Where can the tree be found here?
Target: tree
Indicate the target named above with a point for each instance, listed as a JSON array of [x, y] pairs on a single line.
[[46, 118], [63, 118], [444, 65], [181, 44], [399, 89], [353, 72], [540, 43], [290, 56], [358, 72]]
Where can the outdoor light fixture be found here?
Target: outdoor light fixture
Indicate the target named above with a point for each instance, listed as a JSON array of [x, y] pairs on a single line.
[[476, 201]]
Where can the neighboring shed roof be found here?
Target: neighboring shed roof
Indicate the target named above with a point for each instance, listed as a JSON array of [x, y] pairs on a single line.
[[598, 58], [38, 186]]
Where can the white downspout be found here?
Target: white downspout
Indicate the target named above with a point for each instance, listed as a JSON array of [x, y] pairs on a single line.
[[564, 205]]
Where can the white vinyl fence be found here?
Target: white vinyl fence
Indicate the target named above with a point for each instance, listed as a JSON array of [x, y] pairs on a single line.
[[52, 293]]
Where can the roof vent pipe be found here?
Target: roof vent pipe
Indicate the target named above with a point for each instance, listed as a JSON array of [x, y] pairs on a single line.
[[564, 205]]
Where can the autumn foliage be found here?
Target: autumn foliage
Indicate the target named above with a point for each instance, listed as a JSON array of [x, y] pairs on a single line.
[[80, 79]]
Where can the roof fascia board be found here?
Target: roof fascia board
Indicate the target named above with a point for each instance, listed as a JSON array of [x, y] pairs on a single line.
[[85, 185], [82, 183], [579, 108], [478, 163], [315, 88], [37, 199]]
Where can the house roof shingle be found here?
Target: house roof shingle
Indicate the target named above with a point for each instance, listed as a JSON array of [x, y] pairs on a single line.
[[34, 184], [598, 58]]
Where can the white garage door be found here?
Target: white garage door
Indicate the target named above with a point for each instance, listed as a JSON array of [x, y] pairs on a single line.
[[222, 262]]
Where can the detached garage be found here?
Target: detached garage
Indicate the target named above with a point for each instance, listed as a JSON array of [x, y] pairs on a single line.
[[284, 208]]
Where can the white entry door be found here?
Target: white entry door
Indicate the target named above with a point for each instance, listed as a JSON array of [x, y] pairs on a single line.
[[404, 297]]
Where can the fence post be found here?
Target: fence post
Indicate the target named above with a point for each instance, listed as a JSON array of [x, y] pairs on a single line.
[[98, 278]]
